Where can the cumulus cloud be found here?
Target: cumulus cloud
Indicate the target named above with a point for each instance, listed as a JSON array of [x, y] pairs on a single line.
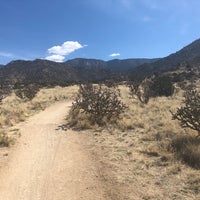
[[66, 48], [114, 54], [61, 51], [55, 58]]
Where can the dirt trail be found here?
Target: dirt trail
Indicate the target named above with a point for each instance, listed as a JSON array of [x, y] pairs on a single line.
[[49, 163]]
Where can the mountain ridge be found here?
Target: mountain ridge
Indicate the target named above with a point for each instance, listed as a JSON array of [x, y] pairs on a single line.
[[75, 70], [188, 56], [81, 70]]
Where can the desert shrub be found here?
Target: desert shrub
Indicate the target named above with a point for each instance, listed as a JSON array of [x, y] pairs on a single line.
[[151, 87], [142, 90], [4, 140], [162, 86], [27, 91], [1, 98], [133, 87], [4, 91], [189, 114], [98, 103], [187, 149], [111, 83]]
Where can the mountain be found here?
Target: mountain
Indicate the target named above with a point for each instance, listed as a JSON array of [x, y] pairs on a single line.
[[188, 57], [1, 66], [123, 65], [185, 62], [48, 72], [84, 62], [71, 71]]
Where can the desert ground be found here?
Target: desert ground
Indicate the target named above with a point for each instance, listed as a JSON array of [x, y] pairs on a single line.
[[128, 160]]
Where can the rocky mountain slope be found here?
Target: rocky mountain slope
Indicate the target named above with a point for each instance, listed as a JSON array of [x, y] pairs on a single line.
[[188, 58], [72, 71]]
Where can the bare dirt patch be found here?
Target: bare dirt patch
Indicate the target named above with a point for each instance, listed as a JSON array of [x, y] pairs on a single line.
[[49, 163]]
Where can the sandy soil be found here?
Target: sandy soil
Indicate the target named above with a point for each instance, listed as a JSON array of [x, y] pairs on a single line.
[[48, 163]]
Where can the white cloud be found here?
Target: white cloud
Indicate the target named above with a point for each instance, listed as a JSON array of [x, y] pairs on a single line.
[[56, 58], [114, 54], [66, 48], [61, 51]]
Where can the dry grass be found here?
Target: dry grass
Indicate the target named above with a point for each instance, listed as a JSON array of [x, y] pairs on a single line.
[[187, 149], [134, 155], [14, 110]]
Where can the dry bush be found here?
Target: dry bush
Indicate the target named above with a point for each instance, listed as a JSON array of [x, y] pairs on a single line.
[[98, 104], [4, 139], [142, 90], [189, 114], [162, 86], [111, 83], [27, 91], [154, 86], [187, 149], [4, 91], [1, 98]]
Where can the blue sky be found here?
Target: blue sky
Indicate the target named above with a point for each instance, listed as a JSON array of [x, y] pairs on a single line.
[[102, 29]]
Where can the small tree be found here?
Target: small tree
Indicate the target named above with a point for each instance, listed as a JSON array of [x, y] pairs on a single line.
[[98, 102], [189, 114]]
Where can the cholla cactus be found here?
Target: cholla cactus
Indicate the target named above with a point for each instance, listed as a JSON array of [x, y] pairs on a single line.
[[189, 114], [142, 90], [98, 102]]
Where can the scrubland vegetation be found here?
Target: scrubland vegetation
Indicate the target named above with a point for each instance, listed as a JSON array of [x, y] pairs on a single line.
[[144, 149], [135, 139]]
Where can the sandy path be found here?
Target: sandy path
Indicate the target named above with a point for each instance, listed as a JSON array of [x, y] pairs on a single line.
[[50, 164]]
